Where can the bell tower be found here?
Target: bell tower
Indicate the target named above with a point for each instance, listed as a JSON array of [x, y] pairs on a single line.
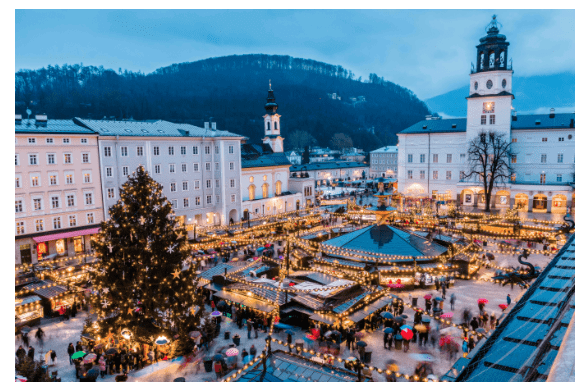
[[489, 103], [271, 123]]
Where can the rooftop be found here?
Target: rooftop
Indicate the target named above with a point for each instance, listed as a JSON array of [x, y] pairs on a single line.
[[56, 126], [388, 149], [327, 166]]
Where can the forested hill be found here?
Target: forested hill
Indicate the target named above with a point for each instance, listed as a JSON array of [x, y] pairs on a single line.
[[233, 90]]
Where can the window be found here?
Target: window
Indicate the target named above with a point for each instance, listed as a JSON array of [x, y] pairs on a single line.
[[72, 221], [33, 160], [543, 158], [32, 140], [559, 158], [18, 206], [434, 174], [184, 167], [125, 170], [231, 166], [55, 202], [208, 183], [139, 151], [559, 177], [448, 175], [89, 200], [449, 158], [208, 199], [217, 182], [173, 187], [251, 179], [233, 198], [184, 185], [39, 225], [207, 149], [514, 140], [155, 151], [20, 227], [196, 185], [198, 202], [265, 189], [17, 182], [422, 174], [52, 180], [492, 119], [57, 223], [172, 168], [208, 166], [264, 177], [422, 158], [232, 183], [16, 160], [171, 151], [544, 139], [561, 139], [435, 158], [65, 141], [217, 166], [463, 156], [111, 193], [196, 167], [217, 199], [410, 158], [483, 120], [90, 218], [67, 158], [107, 151], [37, 203], [69, 179], [35, 181], [84, 141], [50, 158], [157, 168], [514, 158], [123, 151], [49, 140], [230, 149], [409, 174], [194, 150], [186, 202], [85, 157], [542, 179], [182, 150], [514, 177], [216, 149], [108, 171], [461, 175], [174, 204], [70, 200]]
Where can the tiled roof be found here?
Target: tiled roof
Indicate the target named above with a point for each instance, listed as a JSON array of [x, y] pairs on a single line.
[[437, 126], [56, 126], [327, 166], [516, 344], [157, 128], [388, 149], [265, 160], [217, 270]]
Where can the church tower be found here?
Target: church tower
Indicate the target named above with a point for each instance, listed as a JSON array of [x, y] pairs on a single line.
[[271, 124], [489, 103]]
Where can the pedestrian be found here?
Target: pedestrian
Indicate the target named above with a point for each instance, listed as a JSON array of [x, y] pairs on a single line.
[[40, 334], [289, 341], [244, 354], [213, 305], [471, 343], [406, 343], [253, 351], [102, 364], [249, 328], [474, 323], [31, 353], [453, 299], [444, 290], [70, 352], [78, 347], [437, 283], [481, 305], [492, 319], [361, 350], [53, 356], [25, 340], [508, 300], [20, 353], [218, 369]]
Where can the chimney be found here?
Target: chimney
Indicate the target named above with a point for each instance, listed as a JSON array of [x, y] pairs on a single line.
[[515, 117], [206, 125], [213, 125], [18, 119], [551, 113]]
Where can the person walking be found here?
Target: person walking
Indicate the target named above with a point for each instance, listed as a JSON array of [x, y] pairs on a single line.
[[492, 319], [437, 283], [25, 340], [78, 346], [253, 351], [289, 341], [406, 343], [102, 364], [474, 323], [70, 352], [31, 353], [20, 353], [385, 338], [218, 370], [453, 299], [444, 289], [53, 356], [40, 335], [249, 328], [508, 300]]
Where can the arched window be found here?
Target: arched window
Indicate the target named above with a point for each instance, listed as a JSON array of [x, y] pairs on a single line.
[[268, 125], [481, 60], [275, 125], [265, 190], [251, 179], [277, 188], [491, 59], [502, 59], [251, 192]]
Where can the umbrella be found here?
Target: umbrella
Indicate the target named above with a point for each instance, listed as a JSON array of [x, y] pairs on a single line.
[[404, 316], [362, 343], [388, 330], [232, 352], [248, 358], [19, 379], [260, 249], [484, 301], [99, 346], [218, 357], [25, 330], [90, 357], [179, 379], [428, 297], [407, 334], [351, 358], [79, 354], [234, 259], [194, 334], [290, 332], [386, 315], [216, 313], [421, 328], [162, 340], [267, 245], [233, 241], [93, 372], [406, 326], [422, 357], [503, 306], [438, 299], [447, 315], [398, 319], [426, 320]]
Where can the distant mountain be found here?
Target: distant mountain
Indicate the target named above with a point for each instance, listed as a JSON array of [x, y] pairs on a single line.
[[533, 94], [233, 90]]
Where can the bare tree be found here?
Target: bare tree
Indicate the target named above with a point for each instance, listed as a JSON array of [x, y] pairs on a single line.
[[490, 161]]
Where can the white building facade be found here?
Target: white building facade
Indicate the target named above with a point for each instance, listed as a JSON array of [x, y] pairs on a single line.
[[432, 154], [383, 162]]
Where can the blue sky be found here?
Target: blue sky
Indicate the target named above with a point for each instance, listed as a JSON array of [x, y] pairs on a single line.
[[428, 51]]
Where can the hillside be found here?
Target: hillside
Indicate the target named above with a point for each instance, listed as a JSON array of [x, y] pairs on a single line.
[[534, 94], [233, 90]]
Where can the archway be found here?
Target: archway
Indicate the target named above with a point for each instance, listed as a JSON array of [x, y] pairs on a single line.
[[559, 204], [277, 188], [502, 199], [298, 205], [521, 202], [265, 190], [245, 214], [539, 203], [251, 192], [232, 216], [467, 197]]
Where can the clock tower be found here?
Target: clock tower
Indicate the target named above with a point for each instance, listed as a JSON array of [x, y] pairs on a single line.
[[271, 124], [489, 103]]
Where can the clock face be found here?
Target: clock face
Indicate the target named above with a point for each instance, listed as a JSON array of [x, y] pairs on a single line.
[[504, 83], [476, 86], [488, 107], [489, 84]]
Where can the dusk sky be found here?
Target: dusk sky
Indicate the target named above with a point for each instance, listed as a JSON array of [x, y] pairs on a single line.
[[427, 51]]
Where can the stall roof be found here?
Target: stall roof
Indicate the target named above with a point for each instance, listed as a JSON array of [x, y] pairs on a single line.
[[369, 309], [217, 270], [266, 294], [51, 292], [298, 308], [249, 302], [328, 319], [26, 300]]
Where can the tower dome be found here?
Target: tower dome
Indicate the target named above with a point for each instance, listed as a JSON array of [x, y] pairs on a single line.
[[270, 106], [492, 51]]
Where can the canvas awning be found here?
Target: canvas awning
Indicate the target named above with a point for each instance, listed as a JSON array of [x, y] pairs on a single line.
[[64, 235]]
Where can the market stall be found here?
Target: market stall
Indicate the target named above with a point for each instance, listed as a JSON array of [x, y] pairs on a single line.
[[56, 299], [27, 311]]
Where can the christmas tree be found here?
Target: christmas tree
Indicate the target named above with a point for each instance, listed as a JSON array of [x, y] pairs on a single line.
[[145, 271]]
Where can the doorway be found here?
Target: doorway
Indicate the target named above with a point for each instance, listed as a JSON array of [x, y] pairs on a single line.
[[25, 254]]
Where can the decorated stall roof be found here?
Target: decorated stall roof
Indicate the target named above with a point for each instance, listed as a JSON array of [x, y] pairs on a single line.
[[26, 300], [369, 309], [51, 292], [218, 270], [269, 295], [245, 300]]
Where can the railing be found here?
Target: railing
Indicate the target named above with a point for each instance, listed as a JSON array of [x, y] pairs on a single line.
[[516, 182]]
